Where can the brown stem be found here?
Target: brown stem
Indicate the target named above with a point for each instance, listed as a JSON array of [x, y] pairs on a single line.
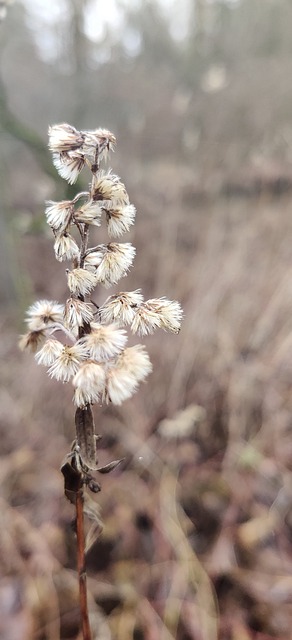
[[84, 244], [81, 565]]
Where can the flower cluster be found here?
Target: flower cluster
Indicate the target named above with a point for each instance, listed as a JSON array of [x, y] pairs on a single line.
[[93, 352]]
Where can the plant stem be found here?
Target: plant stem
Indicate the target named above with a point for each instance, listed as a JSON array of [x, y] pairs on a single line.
[[81, 565], [84, 243]]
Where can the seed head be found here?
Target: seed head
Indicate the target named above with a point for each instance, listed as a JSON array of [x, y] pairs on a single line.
[[119, 219], [49, 352], [44, 313], [66, 248], [107, 186], [68, 362], [115, 262], [31, 341], [97, 143], [69, 165], [121, 307], [77, 313], [157, 313], [123, 377], [89, 384], [89, 213], [59, 214], [64, 137], [81, 281], [104, 342]]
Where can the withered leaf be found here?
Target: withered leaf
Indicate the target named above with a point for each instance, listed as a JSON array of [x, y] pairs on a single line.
[[85, 437], [110, 467], [72, 480]]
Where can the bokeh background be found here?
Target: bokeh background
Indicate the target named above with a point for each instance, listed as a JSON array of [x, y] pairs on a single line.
[[197, 519]]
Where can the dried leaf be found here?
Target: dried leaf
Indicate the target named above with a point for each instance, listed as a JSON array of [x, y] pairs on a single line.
[[85, 437], [110, 467], [72, 480]]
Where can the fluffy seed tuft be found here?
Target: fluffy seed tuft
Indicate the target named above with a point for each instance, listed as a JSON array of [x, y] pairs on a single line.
[[123, 377], [68, 362], [104, 342], [89, 384]]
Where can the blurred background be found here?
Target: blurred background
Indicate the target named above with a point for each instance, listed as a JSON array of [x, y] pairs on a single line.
[[197, 520]]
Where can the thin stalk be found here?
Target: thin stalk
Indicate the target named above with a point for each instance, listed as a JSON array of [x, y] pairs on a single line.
[[81, 566], [82, 194], [84, 244]]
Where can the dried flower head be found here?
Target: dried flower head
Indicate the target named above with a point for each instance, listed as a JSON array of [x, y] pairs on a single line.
[[67, 362], [123, 377], [120, 219], [89, 213], [89, 384], [107, 186], [44, 313], [65, 247], [97, 143], [49, 352], [77, 313], [169, 311], [121, 308], [81, 281], [69, 165], [145, 321], [115, 261], [64, 138], [155, 314], [104, 341], [59, 214], [31, 341]]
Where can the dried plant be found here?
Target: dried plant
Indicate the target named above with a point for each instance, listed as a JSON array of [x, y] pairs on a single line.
[[92, 351]]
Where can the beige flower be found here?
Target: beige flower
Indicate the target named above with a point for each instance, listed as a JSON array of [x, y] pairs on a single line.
[[68, 362], [121, 307], [169, 311], [49, 352], [81, 281], [104, 342], [68, 165], [43, 314], [107, 186], [145, 321], [123, 377], [116, 261], [66, 248], [31, 341], [59, 214], [119, 219], [77, 313], [64, 137], [97, 143], [89, 213], [89, 384], [158, 313]]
